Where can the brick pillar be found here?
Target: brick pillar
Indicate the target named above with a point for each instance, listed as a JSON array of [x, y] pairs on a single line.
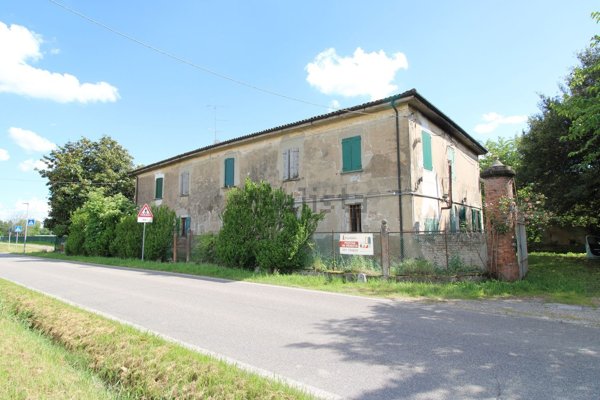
[[498, 183]]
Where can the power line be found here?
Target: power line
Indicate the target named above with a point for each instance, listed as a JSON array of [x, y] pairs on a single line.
[[190, 63]]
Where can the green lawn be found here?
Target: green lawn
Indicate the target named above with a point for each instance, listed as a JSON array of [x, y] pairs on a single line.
[[560, 278]]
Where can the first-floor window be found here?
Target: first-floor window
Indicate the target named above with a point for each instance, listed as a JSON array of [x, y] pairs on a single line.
[[185, 184], [158, 188], [291, 163], [355, 218], [229, 172]]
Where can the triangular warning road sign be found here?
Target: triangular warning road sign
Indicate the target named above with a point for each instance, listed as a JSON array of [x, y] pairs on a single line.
[[145, 212]]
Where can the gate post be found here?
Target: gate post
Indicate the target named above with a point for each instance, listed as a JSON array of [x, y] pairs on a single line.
[[385, 249], [500, 211]]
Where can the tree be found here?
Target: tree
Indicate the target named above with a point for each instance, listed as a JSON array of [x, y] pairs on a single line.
[[561, 149], [581, 105], [261, 227], [75, 169], [505, 150]]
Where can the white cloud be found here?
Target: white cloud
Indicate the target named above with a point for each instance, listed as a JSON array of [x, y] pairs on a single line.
[[494, 120], [31, 165], [362, 73], [38, 210], [20, 46], [30, 141], [4, 155], [334, 105]]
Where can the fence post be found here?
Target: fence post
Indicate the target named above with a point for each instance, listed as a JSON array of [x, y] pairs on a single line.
[[385, 249], [446, 245], [188, 246], [175, 246]]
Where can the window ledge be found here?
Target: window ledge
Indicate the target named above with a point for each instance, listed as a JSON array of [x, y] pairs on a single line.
[[291, 179], [352, 171]]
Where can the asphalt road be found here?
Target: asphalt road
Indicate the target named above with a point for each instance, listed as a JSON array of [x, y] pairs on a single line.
[[339, 346]]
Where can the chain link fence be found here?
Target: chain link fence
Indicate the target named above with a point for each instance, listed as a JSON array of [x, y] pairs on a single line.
[[444, 250]]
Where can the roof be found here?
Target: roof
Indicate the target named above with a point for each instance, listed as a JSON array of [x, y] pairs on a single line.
[[410, 96]]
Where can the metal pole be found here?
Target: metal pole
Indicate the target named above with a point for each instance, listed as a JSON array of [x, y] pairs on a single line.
[[26, 225], [143, 240]]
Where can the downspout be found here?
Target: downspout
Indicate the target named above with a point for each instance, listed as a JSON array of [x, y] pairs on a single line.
[[399, 169]]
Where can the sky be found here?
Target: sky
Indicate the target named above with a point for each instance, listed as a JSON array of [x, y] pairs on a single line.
[[166, 77]]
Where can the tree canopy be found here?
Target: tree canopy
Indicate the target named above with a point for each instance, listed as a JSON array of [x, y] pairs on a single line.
[[75, 169]]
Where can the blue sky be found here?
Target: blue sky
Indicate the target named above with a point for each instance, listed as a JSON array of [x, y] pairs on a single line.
[[246, 66]]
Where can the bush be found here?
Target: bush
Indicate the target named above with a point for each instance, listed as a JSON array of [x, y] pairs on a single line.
[[159, 234], [261, 228], [128, 238], [76, 239], [94, 224], [205, 248]]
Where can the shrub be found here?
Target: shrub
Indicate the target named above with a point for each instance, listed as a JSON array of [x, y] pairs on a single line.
[[128, 238], [261, 228], [159, 234], [205, 248], [76, 239], [94, 224]]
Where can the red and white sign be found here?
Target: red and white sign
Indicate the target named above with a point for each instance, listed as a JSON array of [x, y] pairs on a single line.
[[145, 215], [356, 243]]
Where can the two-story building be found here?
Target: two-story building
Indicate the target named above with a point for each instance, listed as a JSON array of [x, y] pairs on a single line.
[[399, 159]]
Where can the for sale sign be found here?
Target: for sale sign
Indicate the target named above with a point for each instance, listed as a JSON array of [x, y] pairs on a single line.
[[356, 243]]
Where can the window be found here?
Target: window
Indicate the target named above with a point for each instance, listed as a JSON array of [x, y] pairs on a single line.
[[184, 184], [291, 161], [451, 162], [453, 212], [355, 220], [351, 154], [462, 218], [229, 168], [476, 220], [185, 225], [158, 188], [431, 225], [427, 157]]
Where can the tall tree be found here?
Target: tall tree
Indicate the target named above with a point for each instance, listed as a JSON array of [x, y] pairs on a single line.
[[505, 150], [77, 168], [561, 149]]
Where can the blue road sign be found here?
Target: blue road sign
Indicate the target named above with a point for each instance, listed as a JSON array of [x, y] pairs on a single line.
[[30, 222], [18, 229]]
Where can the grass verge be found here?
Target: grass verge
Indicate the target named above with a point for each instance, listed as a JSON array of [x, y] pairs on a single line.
[[562, 278], [32, 367], [140, 365], [29, 248]]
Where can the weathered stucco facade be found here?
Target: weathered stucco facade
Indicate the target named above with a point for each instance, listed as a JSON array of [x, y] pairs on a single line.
[[344, 163]]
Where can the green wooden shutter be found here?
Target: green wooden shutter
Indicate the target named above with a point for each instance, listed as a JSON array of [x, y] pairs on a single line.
[[427, 157], [158, 188], [351, 154], [229, 168]]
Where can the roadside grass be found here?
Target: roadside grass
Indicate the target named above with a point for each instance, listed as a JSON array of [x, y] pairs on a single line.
[[561, 278], [138, 365], [32, 367], [29, 248]]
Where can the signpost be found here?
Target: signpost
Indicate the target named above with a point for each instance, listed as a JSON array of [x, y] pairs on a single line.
[[356, 244], [144, 216]]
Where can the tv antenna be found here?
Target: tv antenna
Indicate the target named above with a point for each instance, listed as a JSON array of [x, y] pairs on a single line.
[[214, 108]]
